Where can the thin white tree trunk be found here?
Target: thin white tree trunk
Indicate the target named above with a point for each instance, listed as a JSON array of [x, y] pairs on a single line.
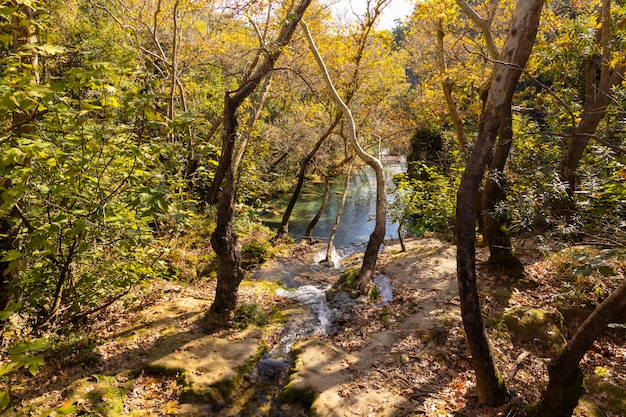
[[378, 235]]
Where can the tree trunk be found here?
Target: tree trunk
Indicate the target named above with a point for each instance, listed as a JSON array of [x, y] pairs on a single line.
[[254, 116], [224, 238], [446, 87], [495, 225], [566, 379], [284, 225], [378, 235], [598, 95], [483, 24], [518, 45], [24, 38], [331, 237], [309, 229]]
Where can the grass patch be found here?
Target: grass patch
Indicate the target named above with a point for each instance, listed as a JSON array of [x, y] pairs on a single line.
[[249, 314]]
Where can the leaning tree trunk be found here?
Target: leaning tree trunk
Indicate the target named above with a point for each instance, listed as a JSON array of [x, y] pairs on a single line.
[[284, 225], [518, 45], [378, 235], [446, 87], [309, 229], [333, 233], [224, 238], [566, 379]]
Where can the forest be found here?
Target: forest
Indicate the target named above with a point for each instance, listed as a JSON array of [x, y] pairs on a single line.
[[154, 155]]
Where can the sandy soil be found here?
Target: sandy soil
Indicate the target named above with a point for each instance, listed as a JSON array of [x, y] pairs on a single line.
[[147, 355]]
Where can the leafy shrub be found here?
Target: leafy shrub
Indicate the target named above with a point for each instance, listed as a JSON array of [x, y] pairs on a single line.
[[426, 201]]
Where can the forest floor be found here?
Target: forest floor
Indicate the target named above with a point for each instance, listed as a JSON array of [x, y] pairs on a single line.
[[406, 356]]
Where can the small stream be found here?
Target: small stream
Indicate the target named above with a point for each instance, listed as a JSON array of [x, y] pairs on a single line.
[[307, 283], [310, 316]]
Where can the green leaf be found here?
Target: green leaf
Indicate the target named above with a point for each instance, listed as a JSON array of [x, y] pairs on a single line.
[[606, 271], [11, 255], [79, 227], [9, 310], [8, 367], [34, 364], [584, 271], [5, 400], [34, 346], [13, 156]]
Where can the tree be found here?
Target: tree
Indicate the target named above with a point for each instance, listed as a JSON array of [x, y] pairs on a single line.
[[565, 386], [601, 75], [284, 225], [514, 55], [224, 238], [378, 235], [24, 40]]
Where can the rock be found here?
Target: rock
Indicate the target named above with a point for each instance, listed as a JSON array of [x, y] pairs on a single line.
[[209, 365], [536, 325], [587, 407]]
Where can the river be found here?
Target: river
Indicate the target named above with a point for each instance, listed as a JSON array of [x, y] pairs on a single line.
[[357, 219]]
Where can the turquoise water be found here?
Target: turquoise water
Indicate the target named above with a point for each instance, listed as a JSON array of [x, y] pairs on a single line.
[[357, 219]]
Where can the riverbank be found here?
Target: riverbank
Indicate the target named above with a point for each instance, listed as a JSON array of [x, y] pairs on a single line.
[[407, 356]]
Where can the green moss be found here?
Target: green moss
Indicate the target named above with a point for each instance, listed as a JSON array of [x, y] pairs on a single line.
[[248, 314], [347, 282], [614, 397], [98, 394], [291, 394], [254, 254]]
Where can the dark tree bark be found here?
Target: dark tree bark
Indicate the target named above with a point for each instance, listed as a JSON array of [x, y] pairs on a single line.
[[309, 229], [495, 225], [598, 95], [24, 37], [566, 379], [518, 45], [224, 238], [284, 225]]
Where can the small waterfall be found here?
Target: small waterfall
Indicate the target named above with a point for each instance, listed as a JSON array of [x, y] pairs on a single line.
[[318, 322], [320, 256]]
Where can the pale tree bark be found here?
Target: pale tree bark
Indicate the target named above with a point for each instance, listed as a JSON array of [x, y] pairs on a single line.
[[446, 87], [483, 24], [566, 379], [333, 233], [378, 235], [373, 12], [255, 113], [224, 239], [517, 47], [598, 95]]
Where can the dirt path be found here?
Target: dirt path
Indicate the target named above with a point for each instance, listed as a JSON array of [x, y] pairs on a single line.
[[405, 357], [379, 360]]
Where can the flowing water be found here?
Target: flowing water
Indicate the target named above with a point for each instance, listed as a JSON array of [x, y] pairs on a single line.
[[313, 316]]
